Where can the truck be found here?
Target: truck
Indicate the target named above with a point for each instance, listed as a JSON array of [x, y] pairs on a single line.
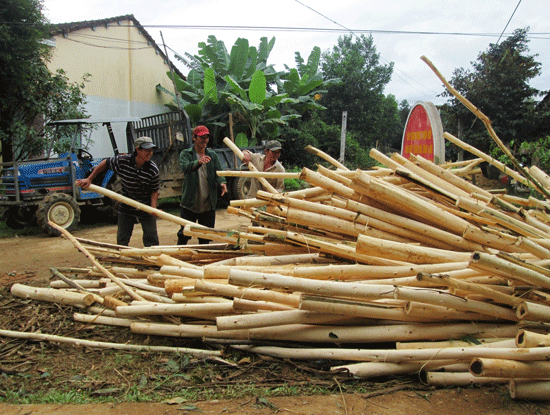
[[43, 189], [171, 133]]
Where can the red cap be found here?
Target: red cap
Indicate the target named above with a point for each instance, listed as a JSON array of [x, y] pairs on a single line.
[[200, 130]]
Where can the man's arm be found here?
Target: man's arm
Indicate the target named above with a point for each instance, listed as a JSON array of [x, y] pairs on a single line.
[[85, 183]]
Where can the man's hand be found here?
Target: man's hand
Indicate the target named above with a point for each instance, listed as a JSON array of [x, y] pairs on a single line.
[[224, 188], [84, 183], [204, 159]]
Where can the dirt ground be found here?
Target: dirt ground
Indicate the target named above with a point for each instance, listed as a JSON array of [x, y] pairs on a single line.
[[25, 259]]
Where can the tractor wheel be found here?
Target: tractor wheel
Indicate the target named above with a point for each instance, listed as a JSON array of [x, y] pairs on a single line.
[[59, 208], [242, 187], [19, 217]]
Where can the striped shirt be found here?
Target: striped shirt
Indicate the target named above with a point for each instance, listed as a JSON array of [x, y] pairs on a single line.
[[137, 184]]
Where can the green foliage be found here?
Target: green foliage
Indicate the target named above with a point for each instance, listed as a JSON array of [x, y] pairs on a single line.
[[261, 99], [30, 92], [499, 85], [536, 153], [361, 92]]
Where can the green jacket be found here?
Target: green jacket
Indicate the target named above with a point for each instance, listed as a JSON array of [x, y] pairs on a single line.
[[189, 165]]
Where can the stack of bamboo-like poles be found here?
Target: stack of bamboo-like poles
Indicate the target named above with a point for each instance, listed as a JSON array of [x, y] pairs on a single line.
[[454, 278]]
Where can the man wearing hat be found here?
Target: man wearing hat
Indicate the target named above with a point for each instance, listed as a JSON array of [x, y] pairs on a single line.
[[201, 183], [140, 181], [268, 162]]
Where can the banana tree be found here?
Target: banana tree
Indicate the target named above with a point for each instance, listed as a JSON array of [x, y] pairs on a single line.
[[305, 83], [257, 108]]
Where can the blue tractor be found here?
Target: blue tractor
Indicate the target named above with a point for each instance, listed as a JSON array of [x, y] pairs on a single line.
[[43, 189]]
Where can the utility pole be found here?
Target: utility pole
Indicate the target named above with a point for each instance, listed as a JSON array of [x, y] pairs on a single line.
[[343, 136]]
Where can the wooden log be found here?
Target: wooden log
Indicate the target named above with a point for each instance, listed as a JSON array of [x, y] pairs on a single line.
[[188, 310], [530, 311], [448, 176], [292, 300], [276, 318], [256, 174], [105, 345], [325, 157], [494, 295], [130, 202], [347, 334], [528, 339], [456, 343], [243, 305], [433, 312], [407, 203], [448, 379], [371, 310], [510, 369], [531, 390], [375, 369], [490, 130], [420, 228], [101, 319], [507, 269], [441, 298], [368, 272], [52, 295], [327, 288], [501, 218], [407, 252], [251, 166], [106, 272]]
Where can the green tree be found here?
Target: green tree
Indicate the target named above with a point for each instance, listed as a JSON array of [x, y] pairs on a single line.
[[361, 93], [498, 85], [244, 84], [30, 92]]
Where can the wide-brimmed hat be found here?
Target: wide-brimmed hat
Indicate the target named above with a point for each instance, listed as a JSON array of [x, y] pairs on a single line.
[[144, 142], [201, 130], [273, 145]]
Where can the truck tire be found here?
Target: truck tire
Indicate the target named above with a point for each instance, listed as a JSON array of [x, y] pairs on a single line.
[[242, 187], [59, 208]]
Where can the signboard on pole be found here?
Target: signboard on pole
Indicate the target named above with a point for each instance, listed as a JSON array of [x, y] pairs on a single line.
[[423, 133]]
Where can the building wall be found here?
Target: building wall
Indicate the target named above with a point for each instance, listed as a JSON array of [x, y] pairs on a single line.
[[124, 71]]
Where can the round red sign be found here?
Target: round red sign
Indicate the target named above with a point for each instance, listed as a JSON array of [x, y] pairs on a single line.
[[423, 133]]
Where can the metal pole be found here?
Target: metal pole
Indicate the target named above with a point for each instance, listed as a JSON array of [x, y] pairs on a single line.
[[343, 136]]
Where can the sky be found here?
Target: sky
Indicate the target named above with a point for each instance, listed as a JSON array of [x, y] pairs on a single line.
[[450, 33]]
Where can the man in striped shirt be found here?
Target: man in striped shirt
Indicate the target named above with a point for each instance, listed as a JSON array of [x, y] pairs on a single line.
[[140, 181]]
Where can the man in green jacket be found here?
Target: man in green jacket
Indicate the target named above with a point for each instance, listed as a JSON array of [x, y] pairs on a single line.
[[199, 195]]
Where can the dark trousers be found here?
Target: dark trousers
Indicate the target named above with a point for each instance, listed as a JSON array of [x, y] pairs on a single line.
[[205, 218], [126, 222]]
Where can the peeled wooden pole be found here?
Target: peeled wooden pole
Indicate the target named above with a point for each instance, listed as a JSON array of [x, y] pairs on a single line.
[[276, 318], [52, 295], [510, 369], [351, 334], [373, 272], [292, 300], [407, 252], [130, 202], [325, 156], [96, 263], [258, 174], [535, 390], [491, 131], [507, 269], [251, 166], [527, 339], [460, 379], [105, 345]]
